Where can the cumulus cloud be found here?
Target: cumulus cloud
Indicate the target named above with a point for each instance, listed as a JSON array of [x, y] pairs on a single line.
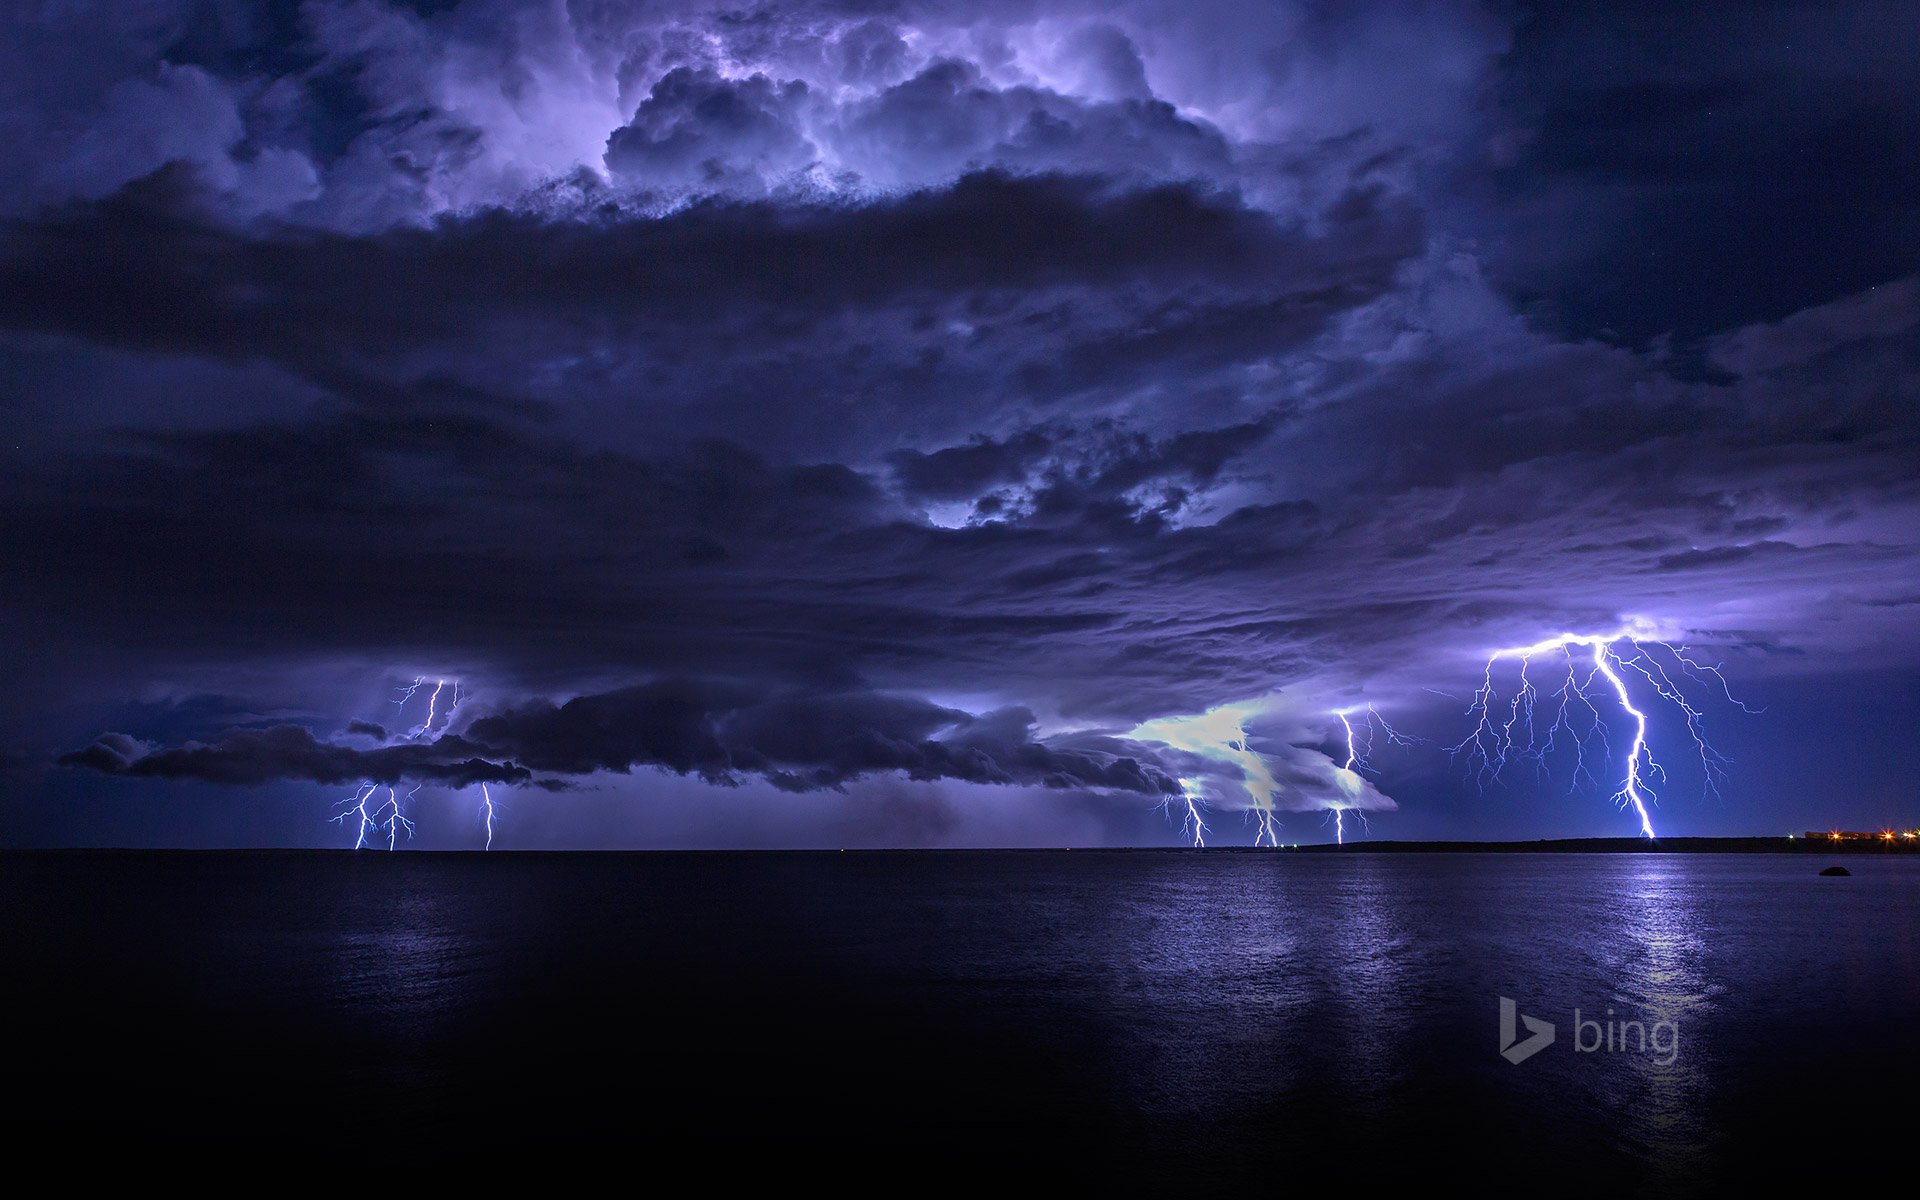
[[804, 742], [381, 114], [181, 115], [252, 757], [698, 131], [717, 731], [804, 394]]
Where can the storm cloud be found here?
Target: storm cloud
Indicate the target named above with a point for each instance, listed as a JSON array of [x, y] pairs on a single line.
[[810, 397], [250, 757], [719, 733]]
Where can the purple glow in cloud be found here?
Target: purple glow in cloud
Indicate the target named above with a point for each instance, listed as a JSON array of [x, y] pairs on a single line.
[[844, 405]]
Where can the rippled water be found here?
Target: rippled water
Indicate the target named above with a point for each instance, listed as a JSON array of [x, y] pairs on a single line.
[[1187, 1018]]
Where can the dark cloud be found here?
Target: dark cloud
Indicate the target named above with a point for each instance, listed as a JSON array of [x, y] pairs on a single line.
[[955, 472], [697, 129], [1070, 467], [949, 118], [904, 398], [802, 742], [1689, 559], [719, 732], [252, 757], [142, 270], [1725, 170]]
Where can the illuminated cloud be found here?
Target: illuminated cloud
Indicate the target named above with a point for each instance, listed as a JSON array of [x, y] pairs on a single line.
[[959, 384], [1277, 776]]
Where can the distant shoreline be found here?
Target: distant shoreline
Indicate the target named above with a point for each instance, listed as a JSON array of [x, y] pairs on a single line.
[[1633, 845]]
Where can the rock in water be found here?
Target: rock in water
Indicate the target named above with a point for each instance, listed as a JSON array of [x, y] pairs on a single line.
[[1836, 871]]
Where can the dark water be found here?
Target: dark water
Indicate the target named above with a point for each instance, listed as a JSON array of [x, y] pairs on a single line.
[[1190, 1019]]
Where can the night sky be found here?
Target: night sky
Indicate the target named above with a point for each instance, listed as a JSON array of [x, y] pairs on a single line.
[[874, 424]]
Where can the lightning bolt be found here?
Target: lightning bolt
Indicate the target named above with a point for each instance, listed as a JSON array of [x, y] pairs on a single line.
[[390, 818], [432, 699], [486, 807], [1351, 766], [1360, 749], [1584, 668], [1192, 825], [1218, 734], [433, 703], [396, 820], [356, 806], [406, 693]]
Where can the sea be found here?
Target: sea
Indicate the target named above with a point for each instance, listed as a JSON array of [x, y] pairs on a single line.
[[1206, 1021]]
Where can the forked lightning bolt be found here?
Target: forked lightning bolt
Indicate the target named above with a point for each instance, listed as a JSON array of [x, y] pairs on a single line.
[[395, 819], [1191, 824], [1359, 750], [433, 703], [1218, 734], [391, 818], [486, 807], [1585, 668], [355, 806]]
